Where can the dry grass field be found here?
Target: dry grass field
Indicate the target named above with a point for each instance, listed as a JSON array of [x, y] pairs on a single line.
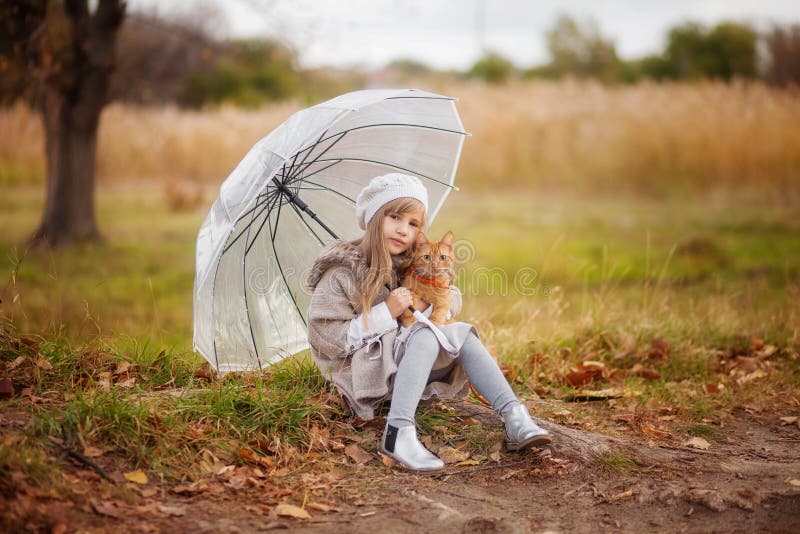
[[656, 139]]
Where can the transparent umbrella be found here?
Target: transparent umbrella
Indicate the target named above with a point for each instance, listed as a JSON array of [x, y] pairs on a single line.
[[292, 194]]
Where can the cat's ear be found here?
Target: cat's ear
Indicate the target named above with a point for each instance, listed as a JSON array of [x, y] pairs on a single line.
[[421, 238], [448, 239]]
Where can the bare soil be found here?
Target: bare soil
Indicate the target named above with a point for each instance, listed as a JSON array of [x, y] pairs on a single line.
[[743, 483]]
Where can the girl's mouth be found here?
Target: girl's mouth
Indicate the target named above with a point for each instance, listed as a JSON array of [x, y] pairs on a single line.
[[397, 241]]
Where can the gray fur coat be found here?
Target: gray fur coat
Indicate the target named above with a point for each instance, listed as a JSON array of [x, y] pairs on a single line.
[[364, 373]]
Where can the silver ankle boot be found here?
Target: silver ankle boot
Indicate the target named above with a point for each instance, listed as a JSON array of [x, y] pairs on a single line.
[[402, 445], [521, 431]]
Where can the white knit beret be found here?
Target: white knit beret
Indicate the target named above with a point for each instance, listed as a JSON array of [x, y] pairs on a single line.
[[385, 188]]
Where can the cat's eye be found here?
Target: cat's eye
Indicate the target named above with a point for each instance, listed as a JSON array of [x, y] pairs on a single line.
[[426, 257], [442, 257]]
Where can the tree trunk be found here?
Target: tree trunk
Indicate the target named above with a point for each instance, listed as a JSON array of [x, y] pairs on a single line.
[[70, 144], [77, 51]]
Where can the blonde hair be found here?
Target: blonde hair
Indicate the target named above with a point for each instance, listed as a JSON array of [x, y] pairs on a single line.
[[383, 267]]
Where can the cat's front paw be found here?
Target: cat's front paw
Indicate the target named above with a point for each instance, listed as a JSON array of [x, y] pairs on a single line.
[[408, 322], [407, 318]]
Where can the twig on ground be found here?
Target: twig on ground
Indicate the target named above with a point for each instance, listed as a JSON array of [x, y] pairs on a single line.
[[575, 490], [485, 468], [67, 450], [462, 496]]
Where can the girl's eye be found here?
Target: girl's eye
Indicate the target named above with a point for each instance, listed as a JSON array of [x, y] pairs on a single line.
[[426, 257]]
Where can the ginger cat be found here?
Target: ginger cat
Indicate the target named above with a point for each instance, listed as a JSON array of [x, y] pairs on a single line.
[[429, 277]]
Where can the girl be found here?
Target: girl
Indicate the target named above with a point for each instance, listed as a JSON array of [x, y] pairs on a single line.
[[369, 358]]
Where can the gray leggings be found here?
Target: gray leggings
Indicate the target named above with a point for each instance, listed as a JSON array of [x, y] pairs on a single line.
[[414, 372]]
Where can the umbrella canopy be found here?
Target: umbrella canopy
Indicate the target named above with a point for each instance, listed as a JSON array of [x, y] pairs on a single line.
[[293, 193]]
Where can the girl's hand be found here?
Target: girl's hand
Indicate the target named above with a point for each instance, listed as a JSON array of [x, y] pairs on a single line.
[[398, 301]]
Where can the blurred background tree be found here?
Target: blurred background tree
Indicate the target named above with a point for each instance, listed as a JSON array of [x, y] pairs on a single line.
[[724, 51], [578, 49], [492, 68], [783, 45], [246, 73], [62, 54]]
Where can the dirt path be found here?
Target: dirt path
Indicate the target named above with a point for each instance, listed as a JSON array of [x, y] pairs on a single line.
[[741, 484]]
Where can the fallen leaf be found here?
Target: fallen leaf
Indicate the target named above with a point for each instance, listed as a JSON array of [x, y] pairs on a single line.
[[16, 363], [659, 349], [793, 482], [580, 378], [110, 509], [105, 381], [387, 461], [713, 389], [92, 452], [697, 443], [6, 388], [711, 499], [495, 457], [176, 511], [653, 432], [622, 496], [789, 420], [321, 507], [194, 488], [127, 384], [290, 510], [247, 454], [122, 367], [137, 477], [645, 372], [449, 455], [225, 469], [593, 395], [147, 492], [758, 373], [465, 463], [745, 363], [357, 454], [767, 351], [44, 364]]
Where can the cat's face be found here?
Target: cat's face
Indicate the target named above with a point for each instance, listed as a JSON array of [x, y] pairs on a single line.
[[434, 258]]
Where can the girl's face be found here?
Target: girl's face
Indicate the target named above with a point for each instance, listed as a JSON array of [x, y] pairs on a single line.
[[400, 230]]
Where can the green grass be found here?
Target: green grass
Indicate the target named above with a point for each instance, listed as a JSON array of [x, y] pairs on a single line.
[[615, 462]]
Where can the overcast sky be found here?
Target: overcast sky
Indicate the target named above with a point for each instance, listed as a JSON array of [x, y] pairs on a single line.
[[453, 33]]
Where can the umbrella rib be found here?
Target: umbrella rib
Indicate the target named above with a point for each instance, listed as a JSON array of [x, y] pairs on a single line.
[[293, 173], [395, 167], [421, 97], [247, 226], [410, 125], [299, 214], [262, 199], [307, 152], [326, 167], [343, 132], [244, 286], [269, 210], [327, 189], [280, 268]]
